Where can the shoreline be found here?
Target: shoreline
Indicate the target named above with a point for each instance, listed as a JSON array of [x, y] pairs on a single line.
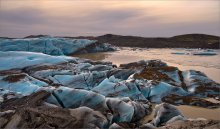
[[127, 55]]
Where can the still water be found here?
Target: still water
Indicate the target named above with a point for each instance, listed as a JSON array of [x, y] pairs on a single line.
[[191, 112], [210, 65]]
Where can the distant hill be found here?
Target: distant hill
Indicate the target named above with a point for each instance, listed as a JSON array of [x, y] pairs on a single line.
[[36, 36], [180, 41]]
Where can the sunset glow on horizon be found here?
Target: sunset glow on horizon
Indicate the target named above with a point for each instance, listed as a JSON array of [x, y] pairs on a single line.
[[92, 18]]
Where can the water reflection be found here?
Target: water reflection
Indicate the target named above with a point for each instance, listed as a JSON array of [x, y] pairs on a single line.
[[197, 112], [190, 112], [93, 56]]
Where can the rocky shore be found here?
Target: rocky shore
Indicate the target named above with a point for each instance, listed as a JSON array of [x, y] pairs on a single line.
[[43, 91]]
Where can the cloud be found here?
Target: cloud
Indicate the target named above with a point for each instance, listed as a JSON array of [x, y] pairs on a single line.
[[74, 18], [26, 16]]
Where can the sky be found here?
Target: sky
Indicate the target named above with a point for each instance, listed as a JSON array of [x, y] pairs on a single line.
[[147, 18]]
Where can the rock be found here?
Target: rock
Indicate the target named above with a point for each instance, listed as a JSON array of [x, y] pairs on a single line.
[[6, 95], [115, 126], [32, 100], [3, 122], [163, 113], [142, 108], [31, 114], [4, 117], [122, 74], [189, 100], [13, 122], [122, 125], [176, 118], [193, 124], [167, 74], [89, 118], [143, 64], [147, 126], [50, 117], [6, 112], [200, 85]]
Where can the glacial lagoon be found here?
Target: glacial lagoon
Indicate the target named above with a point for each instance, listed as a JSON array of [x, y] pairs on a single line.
[[208, 64]]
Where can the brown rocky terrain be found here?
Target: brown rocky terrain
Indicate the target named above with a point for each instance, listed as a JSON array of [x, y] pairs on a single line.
[[180, 41]]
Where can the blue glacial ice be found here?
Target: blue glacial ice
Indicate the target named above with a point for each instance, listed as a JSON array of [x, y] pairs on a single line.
[[53, 45]]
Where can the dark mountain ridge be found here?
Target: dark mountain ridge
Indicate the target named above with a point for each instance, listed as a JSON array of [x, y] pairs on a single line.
[[180, 41]]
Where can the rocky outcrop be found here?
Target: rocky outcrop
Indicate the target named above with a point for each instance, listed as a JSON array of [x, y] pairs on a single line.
[[30, 112], [144, 64], [165, 113], [32, 100], [189, 100], [195, 83]]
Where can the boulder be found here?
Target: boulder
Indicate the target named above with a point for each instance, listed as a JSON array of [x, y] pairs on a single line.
[[189, 100], [193, 124], [165, 112]]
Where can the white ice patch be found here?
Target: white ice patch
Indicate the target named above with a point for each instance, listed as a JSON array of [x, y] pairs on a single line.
[[12, 60]]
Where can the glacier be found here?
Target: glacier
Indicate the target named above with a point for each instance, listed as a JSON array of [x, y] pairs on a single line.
[[108, 95], [54, 45]]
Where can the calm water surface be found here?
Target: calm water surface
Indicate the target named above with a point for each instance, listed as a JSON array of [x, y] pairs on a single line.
[[192, 112]]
